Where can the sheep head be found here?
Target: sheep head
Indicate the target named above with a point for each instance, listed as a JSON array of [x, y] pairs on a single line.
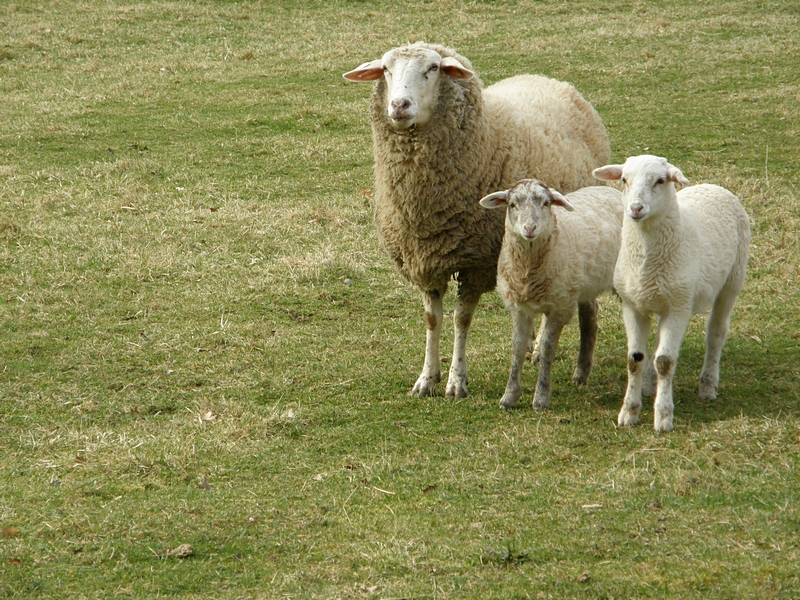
[[529, 213], [412, 76], [647, 184]]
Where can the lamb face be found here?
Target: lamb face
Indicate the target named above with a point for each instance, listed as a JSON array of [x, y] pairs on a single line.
[[528, 215], [412, 77], [648, 189]]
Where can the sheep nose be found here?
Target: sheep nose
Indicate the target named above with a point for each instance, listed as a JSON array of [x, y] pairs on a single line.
[[637, 211], [529, 231], [400, 108]]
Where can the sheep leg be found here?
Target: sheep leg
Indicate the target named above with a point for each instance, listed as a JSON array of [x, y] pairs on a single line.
[[637, 328], [462, 318], [548, 344], [522, 324], [431, 370], [649, 377], [671, 330], [587, 318], [533, 345], [716, 332]]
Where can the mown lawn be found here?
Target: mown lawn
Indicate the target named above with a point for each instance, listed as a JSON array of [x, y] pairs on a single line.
[[202, 343]]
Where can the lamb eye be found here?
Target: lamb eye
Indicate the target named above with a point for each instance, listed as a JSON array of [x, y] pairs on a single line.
[[625, 180], [660, 180]]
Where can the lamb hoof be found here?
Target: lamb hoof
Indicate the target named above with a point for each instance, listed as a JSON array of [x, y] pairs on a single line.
[[425, 386], [628, 418], [509, 400], [663, 424], [456, 389], [708, 392], [708, 389], [580, 378], [540, 403]]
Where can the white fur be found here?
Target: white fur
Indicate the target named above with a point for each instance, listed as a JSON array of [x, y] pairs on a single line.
[[682, 253], [558, 254]]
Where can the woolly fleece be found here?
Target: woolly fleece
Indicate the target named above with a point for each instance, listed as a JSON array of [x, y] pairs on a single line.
[[429, 180]]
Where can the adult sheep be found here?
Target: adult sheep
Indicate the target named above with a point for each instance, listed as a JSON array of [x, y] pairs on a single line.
[[441, 143]]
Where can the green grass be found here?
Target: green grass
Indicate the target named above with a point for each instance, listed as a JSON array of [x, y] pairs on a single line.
[[185, 189]]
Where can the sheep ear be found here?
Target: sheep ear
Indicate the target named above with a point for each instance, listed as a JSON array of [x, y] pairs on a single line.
[[450, 66], [367, 72], [608, 173], [496, 200], [674, 174], [561, 200]]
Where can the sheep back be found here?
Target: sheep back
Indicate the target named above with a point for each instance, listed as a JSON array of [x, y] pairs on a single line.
[[557, 134], [428, 181], [688, 263]]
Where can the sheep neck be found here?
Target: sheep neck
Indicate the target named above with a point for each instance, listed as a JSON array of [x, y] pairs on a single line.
[[415, 169], [523, 267], [656, 242]]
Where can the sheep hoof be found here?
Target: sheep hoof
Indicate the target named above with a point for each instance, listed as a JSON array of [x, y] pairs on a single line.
[[509, 400], [540, 403], [708, 388], [580, 378], [628, 418], [663, 424], [708, 392], [456, 389], [425, 386]]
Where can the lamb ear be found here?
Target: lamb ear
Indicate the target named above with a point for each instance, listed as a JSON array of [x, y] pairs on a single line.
[[608, 173], [674, 174], [561, 200], [450, 66], [496, 200], [367, 72]]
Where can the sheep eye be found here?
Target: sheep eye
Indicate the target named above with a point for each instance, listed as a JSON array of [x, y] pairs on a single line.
[[512, 205], [625, 180], [434, 68], [660, 180], [546, 203]]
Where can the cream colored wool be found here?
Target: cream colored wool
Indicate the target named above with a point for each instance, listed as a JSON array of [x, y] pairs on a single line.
[[558, 255], [682, 253], [429, 180]]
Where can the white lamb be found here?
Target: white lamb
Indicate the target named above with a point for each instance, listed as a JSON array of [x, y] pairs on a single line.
[[441, 143], [551, 264], [681, 254]]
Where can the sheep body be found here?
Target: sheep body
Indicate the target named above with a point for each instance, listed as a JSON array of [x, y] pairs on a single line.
[[435, 158], [550, 264], [682, 253]]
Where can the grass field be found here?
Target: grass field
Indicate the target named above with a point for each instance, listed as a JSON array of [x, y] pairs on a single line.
[[202, 343]]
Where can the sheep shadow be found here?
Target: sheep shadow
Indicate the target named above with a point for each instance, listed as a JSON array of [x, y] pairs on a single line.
[[757, 379]]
